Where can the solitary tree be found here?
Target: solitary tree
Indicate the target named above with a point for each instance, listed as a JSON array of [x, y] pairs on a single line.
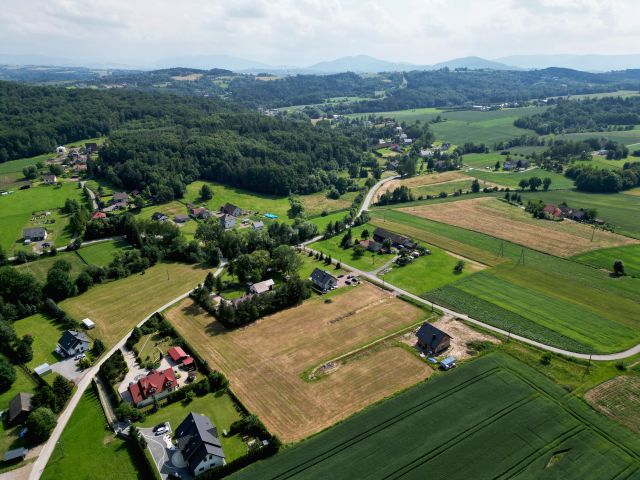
[[205, 192], [459, 267], [475, 186], [546, 183], [618, 268], [524, 183], [39, 425]]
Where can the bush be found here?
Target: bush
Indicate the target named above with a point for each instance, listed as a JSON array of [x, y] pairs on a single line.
[[545, 359], [126, 411], [7, 374], [40, 423], [98, 347]]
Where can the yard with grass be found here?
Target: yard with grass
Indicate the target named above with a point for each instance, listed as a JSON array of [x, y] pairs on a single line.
[[218, 407], [117, 306], [45, 332], [511, 422], [266, 361], [369, 261], [40, 267], [89, 449], [102, 253]]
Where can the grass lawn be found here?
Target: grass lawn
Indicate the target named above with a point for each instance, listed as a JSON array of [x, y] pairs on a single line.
[[16, 212], [102, 253], [604, 258], [117, 306], [88, 449], [322, 222], [45, 333], [428, 272], [511, 179], [218, 407], [628, 137], [620, 210], [533, 428], [40, 267], [368, 261]]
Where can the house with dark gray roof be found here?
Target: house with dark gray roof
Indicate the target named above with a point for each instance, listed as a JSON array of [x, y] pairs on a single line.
[[227, 221], [323, 280], [400, 241], [19, 408], [231, 209], [72, 343], [198, 441], [34, 234], [432, 339]]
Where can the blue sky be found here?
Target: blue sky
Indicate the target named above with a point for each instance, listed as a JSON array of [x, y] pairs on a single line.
[[302, 32]]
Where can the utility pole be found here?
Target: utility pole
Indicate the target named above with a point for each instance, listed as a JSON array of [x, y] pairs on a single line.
[[593, 234]]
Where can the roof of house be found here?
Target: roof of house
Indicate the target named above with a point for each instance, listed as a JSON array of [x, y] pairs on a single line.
[[227, 218], [394, 237], [49, 176], [264, 286], [120, 196], [322, 277], [176, 353], [181, 218], [430, 335], [99, 215], [42, 369], [258, 224], [371, 244], [229, 208], [70, 338], [15, 454], [187, 361], [198, 210], [34, 232], [197, 437], [20, 403], [153, 384]]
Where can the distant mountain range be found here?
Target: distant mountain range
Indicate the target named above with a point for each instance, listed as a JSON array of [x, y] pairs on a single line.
[[358, 63]]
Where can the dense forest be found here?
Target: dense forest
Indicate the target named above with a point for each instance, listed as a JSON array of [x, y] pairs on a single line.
[[589, 115]]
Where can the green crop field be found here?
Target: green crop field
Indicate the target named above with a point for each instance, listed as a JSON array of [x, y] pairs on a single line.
[[16, 213], [218, 407], [40, 267], [492, 418], [368, 261], [604, 258], [511, 180], [89, 449], [45, 333], [102, 253], [627, 137], [428, 272], [620, 210]]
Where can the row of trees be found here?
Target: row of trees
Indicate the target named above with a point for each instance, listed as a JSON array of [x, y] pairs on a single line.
[[588, 178]]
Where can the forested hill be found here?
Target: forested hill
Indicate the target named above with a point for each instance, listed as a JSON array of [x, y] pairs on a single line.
[[590, 115], [350, 92], [34, 120], [163, 142]]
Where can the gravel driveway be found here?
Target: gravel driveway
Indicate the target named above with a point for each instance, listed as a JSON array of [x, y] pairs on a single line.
[[167, 458]]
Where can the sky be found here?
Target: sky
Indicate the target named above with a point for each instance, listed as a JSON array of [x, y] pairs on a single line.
[[303, 32]]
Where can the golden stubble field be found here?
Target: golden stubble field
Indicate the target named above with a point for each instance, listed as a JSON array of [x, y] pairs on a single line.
[[495, 218], [265, 361]]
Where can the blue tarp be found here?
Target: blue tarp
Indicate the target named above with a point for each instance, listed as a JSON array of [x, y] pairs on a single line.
[[270, 215]]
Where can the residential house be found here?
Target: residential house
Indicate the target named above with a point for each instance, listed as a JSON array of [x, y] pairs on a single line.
[[97, 215], [371, 245], [119, 197], [230, 209], [432, 339], [200, 212], [553, 211], [198, 441], [259, 225], [399, 241], [35, 234], [61, 149], [181, 218], [19, 408], [49, 179], [572, 213], [262, 287], [155, 385], [323, 280], [72, 343], [227, 221], [159, 217], [91, 147]]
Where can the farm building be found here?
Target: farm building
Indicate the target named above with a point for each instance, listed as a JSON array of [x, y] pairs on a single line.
[[432, 339], [88, 323], [227, 221], [34, 234], [323, 280], [399, 241], [155, 385], [72, 343], [19, 408], [181, 218], [262, 287], [231, 209], [197, 439], [177, 354]]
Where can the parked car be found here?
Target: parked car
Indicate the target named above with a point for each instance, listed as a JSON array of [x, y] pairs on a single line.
[[162, 430], [80, 356], [158, 427], [174, 475]]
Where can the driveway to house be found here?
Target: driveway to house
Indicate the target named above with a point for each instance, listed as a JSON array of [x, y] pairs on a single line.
[[166, 457], [372, 192], [68, 368]]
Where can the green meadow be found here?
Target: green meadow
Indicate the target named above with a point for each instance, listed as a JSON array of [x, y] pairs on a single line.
[[630, 257]]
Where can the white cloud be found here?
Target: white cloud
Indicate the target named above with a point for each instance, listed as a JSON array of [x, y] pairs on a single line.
[[305, 31]]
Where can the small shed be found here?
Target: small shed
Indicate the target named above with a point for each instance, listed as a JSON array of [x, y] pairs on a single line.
[[15, 455], [43, 369], [88, 323]]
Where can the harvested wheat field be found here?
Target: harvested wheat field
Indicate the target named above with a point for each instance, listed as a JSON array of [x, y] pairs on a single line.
[[498, 219], [618, 398], [265, 361], [422, 180]]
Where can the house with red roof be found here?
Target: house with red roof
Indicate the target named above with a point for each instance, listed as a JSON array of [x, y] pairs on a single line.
[[180, 357], [553, 211], [98, 215], [155, 385]]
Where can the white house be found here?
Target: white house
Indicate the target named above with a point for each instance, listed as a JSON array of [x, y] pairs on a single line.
[[61, 149], [198, 441], [262, 287], [49, 179], [72, 343]]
